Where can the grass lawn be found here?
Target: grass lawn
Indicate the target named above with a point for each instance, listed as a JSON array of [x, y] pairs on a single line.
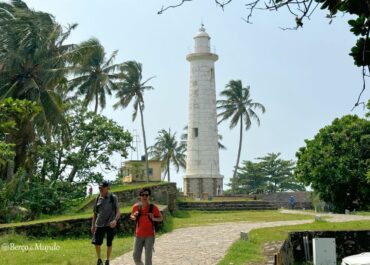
[[244, 252], [198, 218], [75, 213], [362, 213], [71, 251]]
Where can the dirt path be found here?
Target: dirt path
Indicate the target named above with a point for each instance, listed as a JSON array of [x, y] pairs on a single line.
[[206, 245]]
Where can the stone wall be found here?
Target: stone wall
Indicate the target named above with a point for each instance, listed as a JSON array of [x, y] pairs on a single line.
[[164, 194], [202, 187], [347, 243], [281, 199], [226, 205], [71, 227]]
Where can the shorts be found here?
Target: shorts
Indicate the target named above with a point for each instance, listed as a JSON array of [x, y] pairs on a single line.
[[98, 236]]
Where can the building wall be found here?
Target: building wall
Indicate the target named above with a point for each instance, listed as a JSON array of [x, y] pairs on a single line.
[[202, 165], [202, 187], [155, 165]]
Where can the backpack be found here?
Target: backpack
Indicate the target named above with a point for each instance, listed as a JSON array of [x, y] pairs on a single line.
[[112, 201], [156, 225]]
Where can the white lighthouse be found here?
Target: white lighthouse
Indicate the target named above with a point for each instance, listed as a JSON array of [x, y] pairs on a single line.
[[202, 166]]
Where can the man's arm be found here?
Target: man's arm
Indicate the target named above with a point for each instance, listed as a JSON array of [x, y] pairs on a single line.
[[118, 214], [93, 226]]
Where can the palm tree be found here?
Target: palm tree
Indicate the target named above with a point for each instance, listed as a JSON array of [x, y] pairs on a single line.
[[95, 75], [132, 88], [168, 150], [34, 60], [239, 108]]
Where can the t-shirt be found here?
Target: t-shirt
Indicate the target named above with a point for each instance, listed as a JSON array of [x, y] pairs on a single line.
[[144, 226], [104, 210]]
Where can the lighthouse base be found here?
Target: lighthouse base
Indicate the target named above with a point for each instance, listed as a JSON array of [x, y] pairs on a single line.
[[203, 186]]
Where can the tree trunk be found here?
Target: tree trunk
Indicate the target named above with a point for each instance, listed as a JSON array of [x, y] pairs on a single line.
[[168, 170], [72, 174], [96, 103], [145, 147], [238, 158]]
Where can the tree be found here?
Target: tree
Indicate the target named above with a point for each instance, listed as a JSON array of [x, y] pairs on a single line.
[[95, 75], [240, 109], [302, 10], [279, 173], [270, 173], [34, 59], [94, 138], [17, 137], [251, 179], [168, 150], [132, 88], [335, 163]]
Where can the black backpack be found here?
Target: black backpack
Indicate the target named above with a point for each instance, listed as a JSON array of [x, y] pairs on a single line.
[[156, 225], [112, 201]]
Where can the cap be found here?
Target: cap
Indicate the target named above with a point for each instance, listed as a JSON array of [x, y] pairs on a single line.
[[104, 183]]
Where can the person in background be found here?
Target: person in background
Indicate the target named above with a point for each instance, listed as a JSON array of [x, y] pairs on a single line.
[[105, 219], [291, 202], [144, 214]]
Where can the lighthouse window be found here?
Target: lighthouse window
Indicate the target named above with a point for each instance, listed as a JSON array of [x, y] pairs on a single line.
[[195, 132]]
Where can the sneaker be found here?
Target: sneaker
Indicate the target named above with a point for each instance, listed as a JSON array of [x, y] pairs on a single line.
[[107, 262], [100, 262]]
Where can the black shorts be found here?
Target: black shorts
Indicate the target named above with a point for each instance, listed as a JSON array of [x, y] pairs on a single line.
[[98, 236]]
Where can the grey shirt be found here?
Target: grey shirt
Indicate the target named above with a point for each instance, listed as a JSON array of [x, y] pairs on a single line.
[[104, 210]]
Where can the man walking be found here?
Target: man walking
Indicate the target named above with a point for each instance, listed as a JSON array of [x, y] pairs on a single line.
[[105, 218], [145, 214]]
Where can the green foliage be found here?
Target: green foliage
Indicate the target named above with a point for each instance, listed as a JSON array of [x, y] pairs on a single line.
[[16, 131], [33, 59], [48, 140], [358, 26], [251, 179], [251, 251], [95, 75], [131, 90], [270, 174], [94, 138], [168, 150], [36, 198], [336, 161], [238, 107]]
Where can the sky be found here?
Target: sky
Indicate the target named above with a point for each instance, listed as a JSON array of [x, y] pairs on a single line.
[[304, 78]]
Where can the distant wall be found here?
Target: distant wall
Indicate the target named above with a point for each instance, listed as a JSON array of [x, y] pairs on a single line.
[[281, 199], [226, 205], [347, 243], [164, 194], [71, 227]]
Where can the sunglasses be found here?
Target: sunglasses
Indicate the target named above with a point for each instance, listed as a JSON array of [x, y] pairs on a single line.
[[144, 195]]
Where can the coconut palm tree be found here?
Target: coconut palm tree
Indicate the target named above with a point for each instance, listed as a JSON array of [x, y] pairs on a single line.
[[34, 61], [132, 89], [240, 109], [95, 75], [168, 150]]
